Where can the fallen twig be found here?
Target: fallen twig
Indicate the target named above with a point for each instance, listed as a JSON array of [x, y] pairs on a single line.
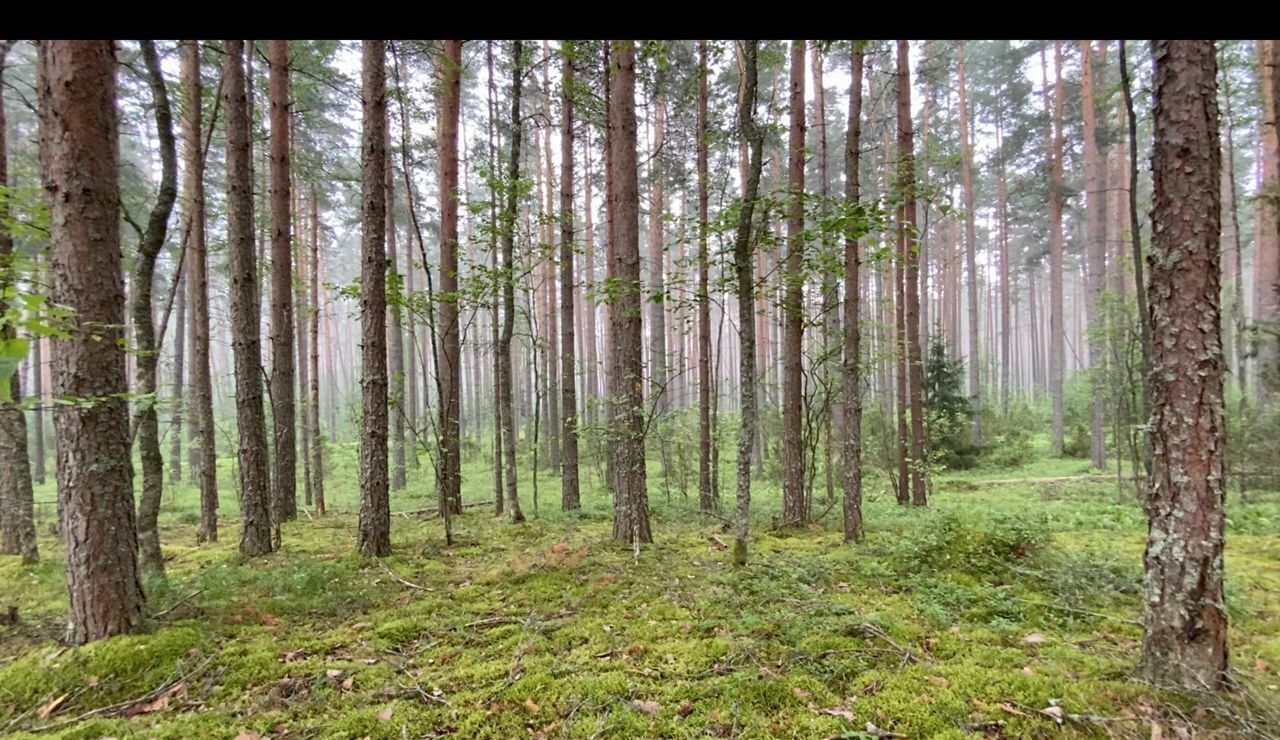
[[179, 603], [398, 579]]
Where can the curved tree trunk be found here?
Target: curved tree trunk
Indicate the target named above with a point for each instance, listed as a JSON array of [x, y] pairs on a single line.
[[144, 331]]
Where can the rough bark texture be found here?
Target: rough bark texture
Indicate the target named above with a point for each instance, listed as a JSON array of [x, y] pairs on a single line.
[[17, 523], [201, 383], [752, 136], [1185, 619], [794, 509], [255, 501], [80, 167], [911, 249], [375, 504], [706, 494], [178, 388], [851, 458], [631, 501], [144, 331], [506, 396], [656, 238], [283, 411], [450, 73], [569, 498]]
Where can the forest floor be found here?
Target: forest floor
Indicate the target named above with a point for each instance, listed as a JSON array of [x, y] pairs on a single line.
[[1002, 610]]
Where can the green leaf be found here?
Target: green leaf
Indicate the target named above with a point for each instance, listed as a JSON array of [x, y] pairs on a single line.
[[11, 353]]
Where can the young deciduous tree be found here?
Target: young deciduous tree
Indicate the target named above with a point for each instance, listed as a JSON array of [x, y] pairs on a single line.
[[80, 168], [1185, 617]]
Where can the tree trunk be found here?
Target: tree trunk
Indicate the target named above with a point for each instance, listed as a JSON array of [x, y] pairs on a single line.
[[1057, 358], [506, 400], [568, 394], [1266, 271], [375, 504], [317, 441], [908, 238], [144, 331], [283, 413], [706, 494], [395, 334], [1096, 255], [450, 374], [753, 136], [631, 503], [970, 249], [794, 510], [201, 383], [178, 391], [851, 457], [655, 298], [17, 522], [80, 169], [1185, 619]]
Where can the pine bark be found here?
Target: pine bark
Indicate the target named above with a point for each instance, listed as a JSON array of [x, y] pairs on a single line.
[[794, 509], [80, 169], [752, 136], [201, 383], [317, 441], [706, 495], [1057, 358], [569, 497], [450, 406], [970, 251], [631, 504], [1096, 255], [506, 395], [851, 452], [375, 505], [1266, 270], [910, 246], [283, 411], [1185, 618]]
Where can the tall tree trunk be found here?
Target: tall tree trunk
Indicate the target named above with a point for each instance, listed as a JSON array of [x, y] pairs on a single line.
[[1057, 358], [148, 354], [197, 266], [1096, 255], [395, 333], [851, 453], [17, 502], [1266, 262], [656, 295], [450, 373], [283, 413], [1003, 206], [568, 395], [506, 401], [80, 169], [794, 510], [303, 357], [375, 505], [909, 241], [753, 136], [706, 494], [317, 441], [830, 287], [1185, 619], [1135, 233], [592, 395], [179, 365], [631, 502], [496, 298], [970, 250], [255, 493]]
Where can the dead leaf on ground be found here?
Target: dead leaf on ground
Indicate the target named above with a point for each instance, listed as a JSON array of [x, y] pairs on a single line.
[[877, 732], [333, 673], [385, 714], [1035, 638], [939, 680], [648, 707], [290, 656], [348, 683], [248, 735], [801, 693], [532, 706], [841, 710], [686, 708], [1011, 709], [160, 702], [1260, 665], [1054, 712]]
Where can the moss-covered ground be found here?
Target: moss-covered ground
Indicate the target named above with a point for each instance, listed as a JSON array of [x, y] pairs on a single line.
[[1001, 610]]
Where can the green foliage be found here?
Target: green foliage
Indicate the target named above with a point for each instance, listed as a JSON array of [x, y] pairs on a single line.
[[948, 410]]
